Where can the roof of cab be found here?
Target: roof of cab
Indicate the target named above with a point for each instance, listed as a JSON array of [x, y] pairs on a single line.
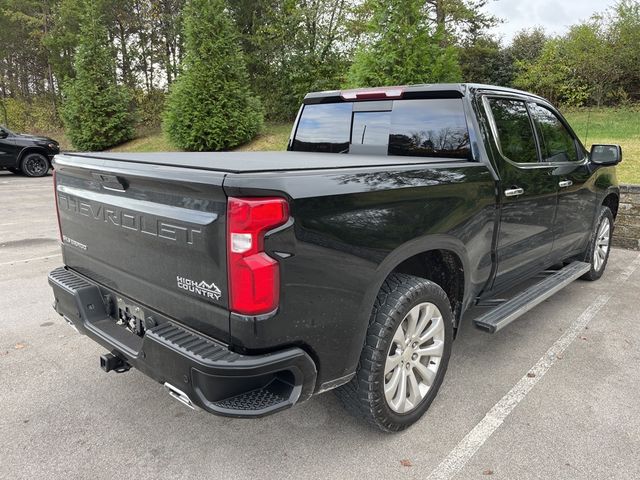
[[425, 90]]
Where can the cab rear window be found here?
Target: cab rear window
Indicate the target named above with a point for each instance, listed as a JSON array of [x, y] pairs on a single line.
[[423, 128]]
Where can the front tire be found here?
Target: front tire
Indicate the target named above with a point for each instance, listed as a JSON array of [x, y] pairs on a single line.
[[34, 165], [405, 355], [600, 245]]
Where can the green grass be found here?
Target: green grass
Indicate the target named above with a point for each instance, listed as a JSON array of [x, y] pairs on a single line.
[[273, 137], [154, 142], [612, 125]]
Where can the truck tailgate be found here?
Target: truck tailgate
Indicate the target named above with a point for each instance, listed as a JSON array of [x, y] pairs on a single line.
[[153, 233]]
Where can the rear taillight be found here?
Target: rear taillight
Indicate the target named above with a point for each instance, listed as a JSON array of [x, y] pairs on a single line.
[[254, 277], [55, 199]]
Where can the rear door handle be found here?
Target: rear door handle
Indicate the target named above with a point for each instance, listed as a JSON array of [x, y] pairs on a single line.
[[565, 183], [513, 192]]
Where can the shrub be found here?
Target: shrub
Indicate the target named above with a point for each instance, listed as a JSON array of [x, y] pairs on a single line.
[[210, 106], [96, 110]]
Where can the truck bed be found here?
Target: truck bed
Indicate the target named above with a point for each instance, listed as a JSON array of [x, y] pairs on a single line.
[[254, 162]]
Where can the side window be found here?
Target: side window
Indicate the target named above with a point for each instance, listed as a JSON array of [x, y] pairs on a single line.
[[515, 134], [556, 143]]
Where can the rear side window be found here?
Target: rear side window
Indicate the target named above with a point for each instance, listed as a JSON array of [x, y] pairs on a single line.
[[425, 128], [515, 133], [556, 143]]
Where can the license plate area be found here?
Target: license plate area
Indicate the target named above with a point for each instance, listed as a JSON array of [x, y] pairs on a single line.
[[130, 316]]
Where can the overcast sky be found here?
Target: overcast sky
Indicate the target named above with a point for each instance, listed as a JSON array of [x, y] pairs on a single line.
[[554, 15]]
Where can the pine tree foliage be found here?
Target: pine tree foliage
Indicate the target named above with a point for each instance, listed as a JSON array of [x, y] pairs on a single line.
[[210, 106], [96, 110], [402, 47]]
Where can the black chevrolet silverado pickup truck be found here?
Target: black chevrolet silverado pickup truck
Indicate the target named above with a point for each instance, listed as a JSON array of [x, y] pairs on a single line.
[[248, 282]]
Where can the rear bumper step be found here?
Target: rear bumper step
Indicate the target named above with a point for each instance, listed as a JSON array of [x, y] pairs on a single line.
[[196, 370], [505, 313]]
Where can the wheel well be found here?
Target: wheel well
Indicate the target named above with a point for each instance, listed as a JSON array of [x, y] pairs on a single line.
[[612, 201], [29, 150], [442, 267]]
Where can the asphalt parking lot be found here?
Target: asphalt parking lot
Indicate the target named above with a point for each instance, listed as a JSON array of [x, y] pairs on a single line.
[[554, 395]]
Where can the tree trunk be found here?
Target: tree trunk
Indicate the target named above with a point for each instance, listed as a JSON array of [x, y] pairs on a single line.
[[3, 104], [126, 61]]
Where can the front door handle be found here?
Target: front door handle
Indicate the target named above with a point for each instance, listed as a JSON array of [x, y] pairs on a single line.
[[565, 183], [513, 192]]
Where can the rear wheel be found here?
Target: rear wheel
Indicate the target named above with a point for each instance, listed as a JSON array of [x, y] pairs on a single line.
[[405, 356], [34, 165], [600, 245]]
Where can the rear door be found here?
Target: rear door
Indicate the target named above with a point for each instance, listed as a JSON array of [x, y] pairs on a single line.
[[561, 150], [8, 149], [154, 234], [527, 191]]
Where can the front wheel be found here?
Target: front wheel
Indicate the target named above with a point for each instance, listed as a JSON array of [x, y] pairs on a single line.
[[34, 165], [600, 245], [405, 356]]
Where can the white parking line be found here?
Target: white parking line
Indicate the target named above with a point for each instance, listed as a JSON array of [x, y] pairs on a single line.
[[469, 445], [23, 187], [30, 259]]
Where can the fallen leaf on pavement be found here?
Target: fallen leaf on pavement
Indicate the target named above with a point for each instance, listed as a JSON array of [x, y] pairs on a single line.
[[488, 471], [406, 463], [531, 375], [19, 346]]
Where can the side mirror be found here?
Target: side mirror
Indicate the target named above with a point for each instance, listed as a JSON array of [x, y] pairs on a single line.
[[606, 154], [3, 134]]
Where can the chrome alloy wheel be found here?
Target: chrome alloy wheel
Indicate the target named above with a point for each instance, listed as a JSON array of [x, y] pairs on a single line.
[[414, 357], [602, 244]]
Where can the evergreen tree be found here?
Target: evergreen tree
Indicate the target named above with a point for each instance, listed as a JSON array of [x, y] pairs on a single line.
[[402, 47], [210, 106], [96, 110]]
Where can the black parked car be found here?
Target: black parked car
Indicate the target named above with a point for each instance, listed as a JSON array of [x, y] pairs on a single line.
[[26, 154]]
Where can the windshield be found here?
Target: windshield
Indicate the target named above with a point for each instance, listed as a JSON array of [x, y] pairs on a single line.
[[423, 128]]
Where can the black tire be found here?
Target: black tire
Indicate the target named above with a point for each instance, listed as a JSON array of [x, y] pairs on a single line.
[[598, 269], [34, 165], [364, 395]]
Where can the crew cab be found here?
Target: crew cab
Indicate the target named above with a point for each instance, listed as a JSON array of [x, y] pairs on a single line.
[[248, 282], [27, 154]]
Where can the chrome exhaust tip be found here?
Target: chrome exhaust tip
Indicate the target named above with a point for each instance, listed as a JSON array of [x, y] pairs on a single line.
[[180, 396]]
